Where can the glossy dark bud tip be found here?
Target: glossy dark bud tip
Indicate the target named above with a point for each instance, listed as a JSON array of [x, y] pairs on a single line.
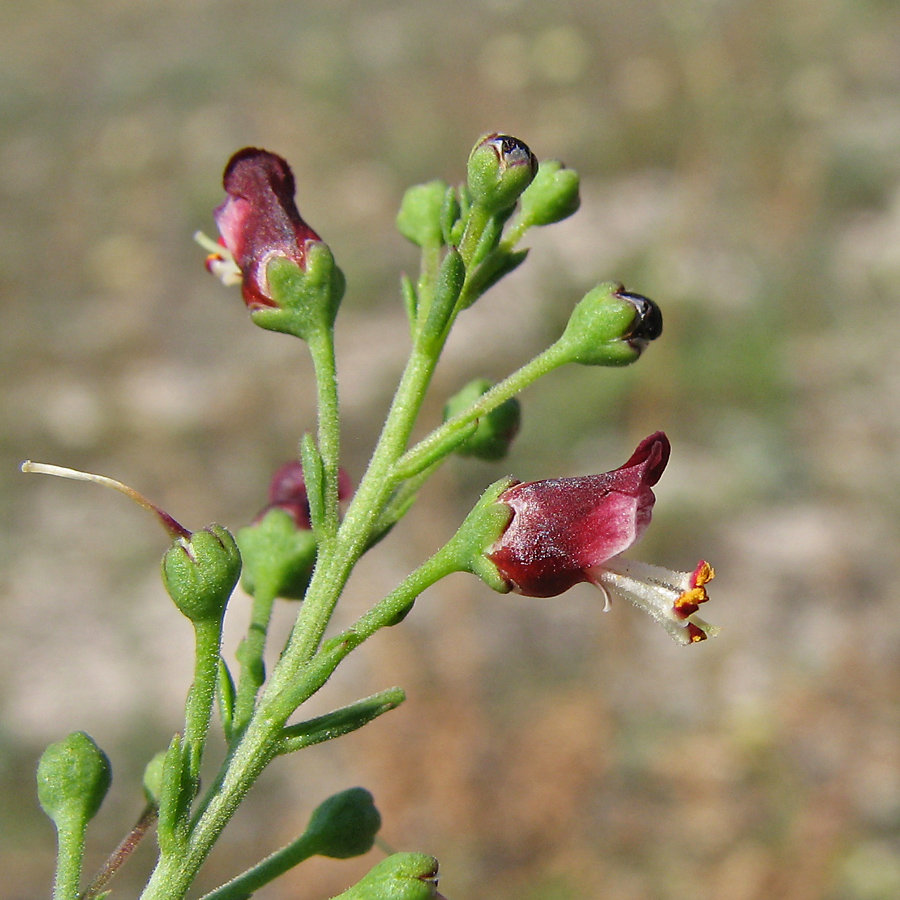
[[648, 323]]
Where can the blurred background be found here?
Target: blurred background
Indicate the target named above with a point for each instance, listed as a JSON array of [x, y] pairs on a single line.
[[741, 165]]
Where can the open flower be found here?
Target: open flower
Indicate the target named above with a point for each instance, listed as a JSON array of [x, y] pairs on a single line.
[[569, 530], [258, 222]]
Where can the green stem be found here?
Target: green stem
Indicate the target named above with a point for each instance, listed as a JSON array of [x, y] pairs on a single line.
[[362, 517], [432, 447], [321, 346], [250, 656], [198, 709]]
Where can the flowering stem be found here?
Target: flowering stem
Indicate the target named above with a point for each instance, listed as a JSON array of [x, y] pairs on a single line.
[[321, 346], [301, 671]]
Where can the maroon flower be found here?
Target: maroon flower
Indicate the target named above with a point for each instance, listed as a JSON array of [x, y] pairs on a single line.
[[259, 221], [568, 530], [287, 491]]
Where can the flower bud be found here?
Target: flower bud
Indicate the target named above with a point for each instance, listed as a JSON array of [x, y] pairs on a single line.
[[500, 168], [551, 197], [344, 825], [201, 572], [611, 327], [73, 777], [420, 215], [402, 876], [495, 430]]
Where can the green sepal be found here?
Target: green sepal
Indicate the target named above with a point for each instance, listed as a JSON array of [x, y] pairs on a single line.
[[314, 479], [73, 776], [344, 825], [602, 329], [494, 432], [480, 530], [499, 169], [225, 697], [450, 281], [176, 793], [420, 217], [278, 556], [201, 572], [340, 721], [401, 876], [306, 300], [551, 197]]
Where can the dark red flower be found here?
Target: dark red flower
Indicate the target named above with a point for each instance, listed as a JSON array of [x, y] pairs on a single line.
[[287, 491], [568, 530], [562, 527], [259, 220]]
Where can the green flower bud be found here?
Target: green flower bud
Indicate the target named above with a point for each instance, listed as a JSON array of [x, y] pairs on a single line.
[[551, 197], [495, 430], [344, 825], [278, 555], [420, 215], [73, 777], [200, 573], [500, 168], [610, 327], [402, 876]]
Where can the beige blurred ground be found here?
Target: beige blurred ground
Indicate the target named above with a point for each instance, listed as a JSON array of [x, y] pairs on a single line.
[[741, 165]]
